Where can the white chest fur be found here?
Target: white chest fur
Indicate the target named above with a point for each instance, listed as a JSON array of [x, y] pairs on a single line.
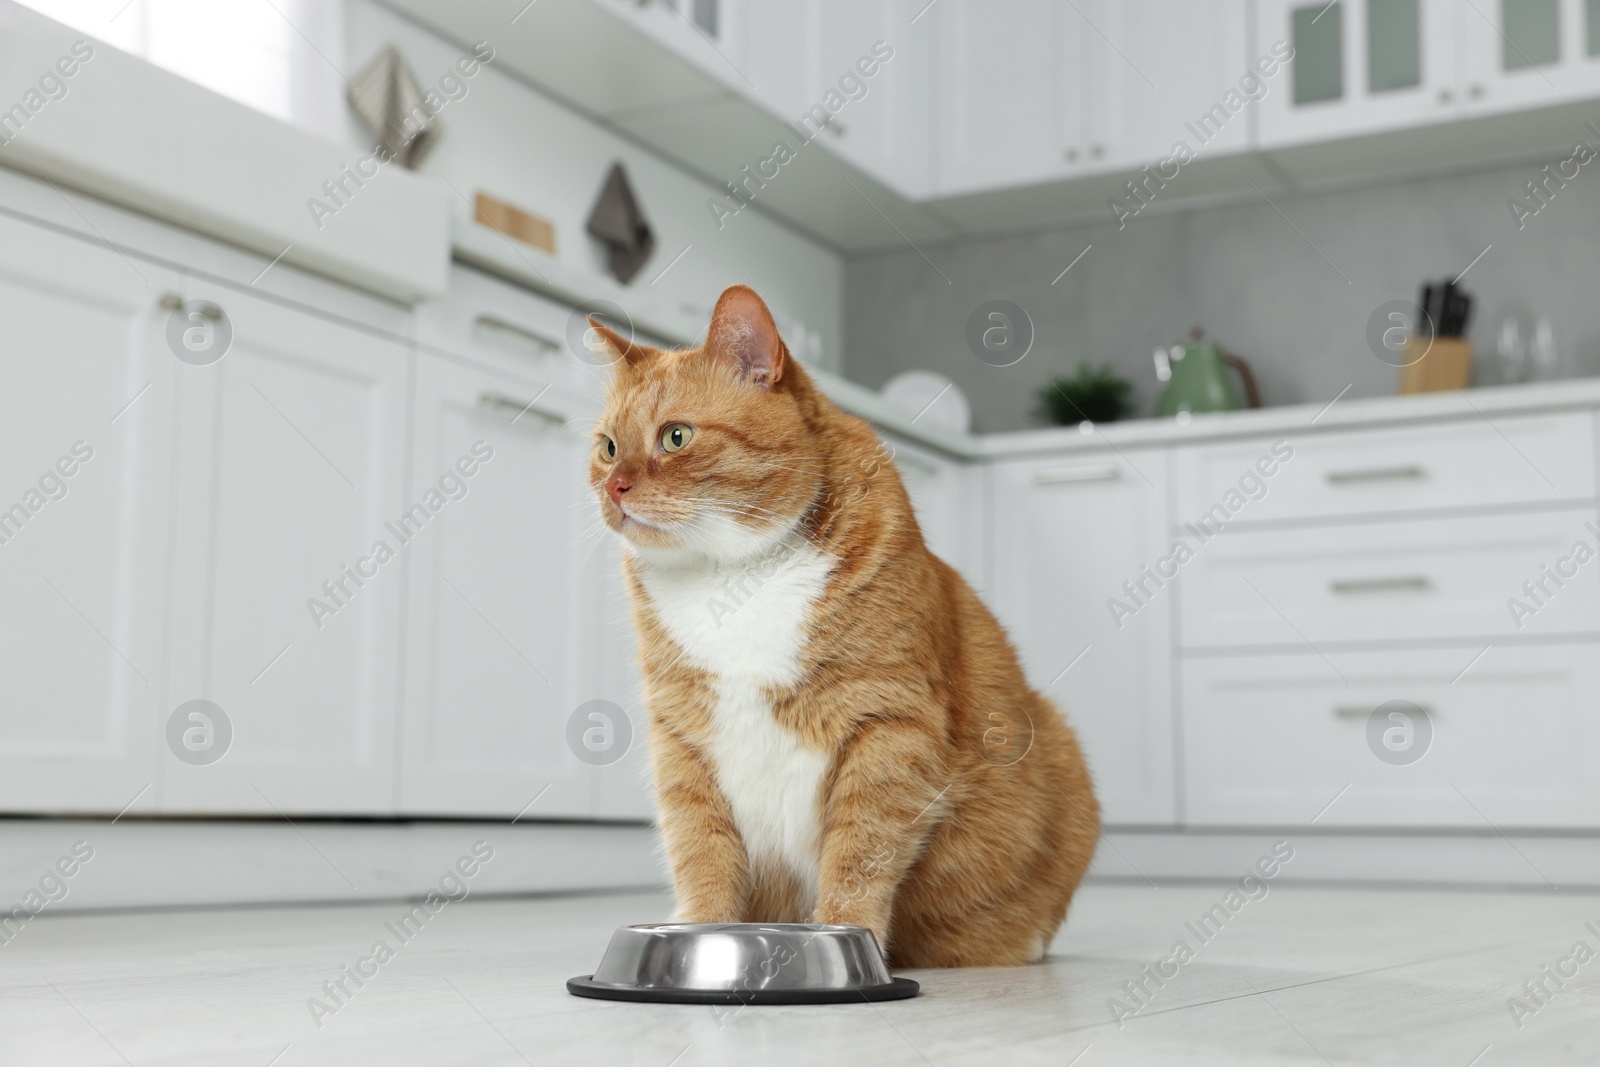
[[745, 624]]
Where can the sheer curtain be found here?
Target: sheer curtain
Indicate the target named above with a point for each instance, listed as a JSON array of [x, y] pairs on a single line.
[[283, 57]]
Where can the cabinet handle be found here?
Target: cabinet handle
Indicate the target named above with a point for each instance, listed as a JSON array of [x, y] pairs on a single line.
[[1097, 150], [1445, 96], [1354, 712], [173, 301], [1375, 474], [1476, 92], [1072, 155], [495, 324], [1098, 472], [1411, 582], [506, 403]]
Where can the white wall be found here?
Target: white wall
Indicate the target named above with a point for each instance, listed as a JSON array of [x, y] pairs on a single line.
[[1245, 275], [511, 140]]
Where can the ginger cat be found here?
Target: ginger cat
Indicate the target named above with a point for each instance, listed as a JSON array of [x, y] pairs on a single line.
[[840, 731]]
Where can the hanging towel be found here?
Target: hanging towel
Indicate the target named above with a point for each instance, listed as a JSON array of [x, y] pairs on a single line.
[[618, 222], [388, 98]]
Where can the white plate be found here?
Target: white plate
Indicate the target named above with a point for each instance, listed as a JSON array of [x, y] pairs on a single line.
[[931, 399]]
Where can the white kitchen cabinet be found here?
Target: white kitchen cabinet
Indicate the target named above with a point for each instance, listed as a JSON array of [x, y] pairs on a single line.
[[1011, 92], [774, 42], [1165, 71], [887, 132], [1528, 53], [290, 469], [626, 789], [547, 565], [1522, 461], [1282, 740], [85, 461], [1068, 531], [941, 491], [501, 612], [802, 54], [1416, 580], [1359, 66]]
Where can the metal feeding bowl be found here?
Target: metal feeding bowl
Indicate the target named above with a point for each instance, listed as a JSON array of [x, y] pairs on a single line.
[[743, 963]]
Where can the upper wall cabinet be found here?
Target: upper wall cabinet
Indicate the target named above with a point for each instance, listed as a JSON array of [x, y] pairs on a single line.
[[1525, 53], [1168, 71], [877, 53], [1009, 92], [868, 65], [1030, 91], [1359, 66], [1365, 66]]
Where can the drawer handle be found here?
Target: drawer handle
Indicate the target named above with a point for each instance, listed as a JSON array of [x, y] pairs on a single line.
[[1355, 712], [1413, 582], [1375, 474], [495, 324], [502, 402], [1097, 472]]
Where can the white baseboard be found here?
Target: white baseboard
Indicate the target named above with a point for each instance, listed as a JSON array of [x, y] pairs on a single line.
[[1532, 860], [205, 862], [190, 862]]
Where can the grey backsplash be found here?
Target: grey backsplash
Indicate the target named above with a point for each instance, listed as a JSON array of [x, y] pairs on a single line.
[[1292, 292]]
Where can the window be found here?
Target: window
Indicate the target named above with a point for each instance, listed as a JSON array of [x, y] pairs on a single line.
[[275, 56]]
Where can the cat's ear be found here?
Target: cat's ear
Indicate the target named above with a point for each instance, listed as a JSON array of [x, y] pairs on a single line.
[[743, 336], [608, 344]]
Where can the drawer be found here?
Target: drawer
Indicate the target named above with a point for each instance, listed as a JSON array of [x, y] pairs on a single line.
[[504, 328], [1415, 579], [1272, 740], [1527, 459]]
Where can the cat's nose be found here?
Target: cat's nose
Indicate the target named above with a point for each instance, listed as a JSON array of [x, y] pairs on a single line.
[[616, 485]]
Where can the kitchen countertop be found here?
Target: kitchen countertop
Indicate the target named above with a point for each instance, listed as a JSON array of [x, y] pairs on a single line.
[[1332, 415]]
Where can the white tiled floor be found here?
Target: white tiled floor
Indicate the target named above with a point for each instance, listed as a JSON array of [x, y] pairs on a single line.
[[1304, 976]]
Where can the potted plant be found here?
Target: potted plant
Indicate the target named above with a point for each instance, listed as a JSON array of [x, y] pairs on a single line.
[[1092, 393]]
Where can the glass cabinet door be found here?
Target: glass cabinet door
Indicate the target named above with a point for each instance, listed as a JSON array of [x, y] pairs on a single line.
[[1524, 53], [1358, 66]]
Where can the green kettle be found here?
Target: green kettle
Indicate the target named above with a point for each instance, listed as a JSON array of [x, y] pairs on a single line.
[[1196, 373]]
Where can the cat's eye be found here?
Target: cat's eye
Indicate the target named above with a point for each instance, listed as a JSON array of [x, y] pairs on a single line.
[[676, 436], [608, 448]]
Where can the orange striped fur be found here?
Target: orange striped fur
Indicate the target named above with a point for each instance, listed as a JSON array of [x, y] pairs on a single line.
[[840, 731]]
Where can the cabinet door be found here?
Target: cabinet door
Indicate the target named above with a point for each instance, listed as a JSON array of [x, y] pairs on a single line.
[[1068, 533], [85, 473], [1409, 738], [774, 46], [887, 131], [941, 497], [1359, 66], [501, 628], [1010, 91], [291, 470], [1159, 75], [625, 786], [1527, 53]]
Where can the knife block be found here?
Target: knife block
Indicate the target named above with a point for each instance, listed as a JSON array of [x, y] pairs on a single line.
[[1436, 364]]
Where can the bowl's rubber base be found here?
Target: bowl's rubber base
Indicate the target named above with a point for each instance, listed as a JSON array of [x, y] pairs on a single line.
[[897, 989]]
